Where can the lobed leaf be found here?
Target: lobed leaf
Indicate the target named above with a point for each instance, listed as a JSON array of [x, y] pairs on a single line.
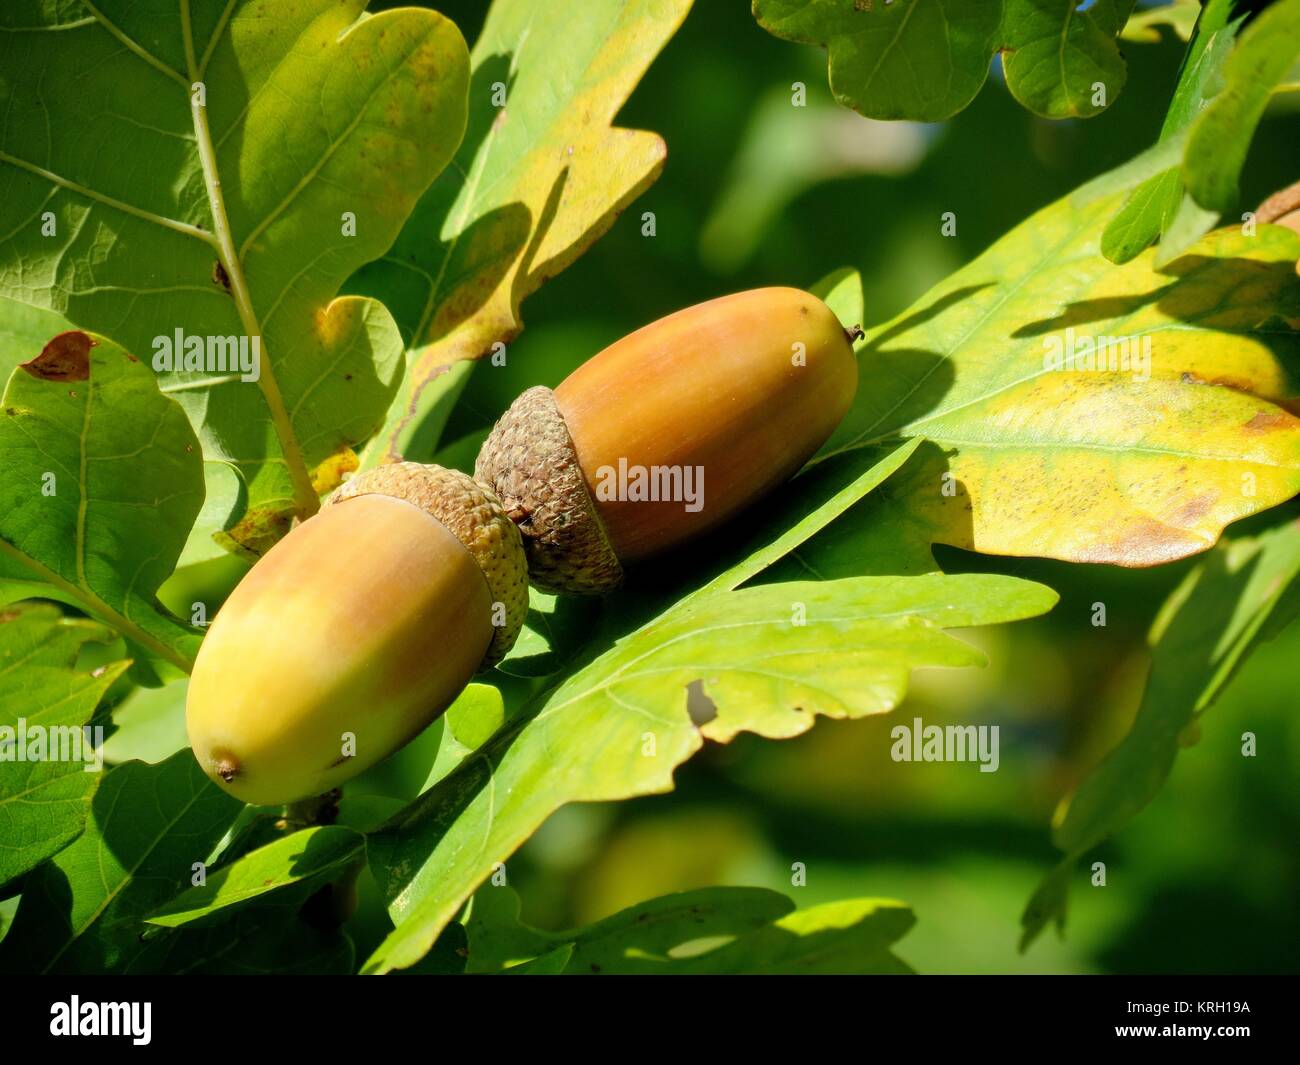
[[1136, 460], [541, 174], [620, 726]]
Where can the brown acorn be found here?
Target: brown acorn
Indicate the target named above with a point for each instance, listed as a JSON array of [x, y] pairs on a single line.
[[668, 432]]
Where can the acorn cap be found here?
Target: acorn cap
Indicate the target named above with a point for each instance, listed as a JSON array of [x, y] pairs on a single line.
[[473, 514], [530, 461]]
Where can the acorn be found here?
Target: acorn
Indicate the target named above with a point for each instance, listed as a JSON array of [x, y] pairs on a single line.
[[668, 433], [354, 632]]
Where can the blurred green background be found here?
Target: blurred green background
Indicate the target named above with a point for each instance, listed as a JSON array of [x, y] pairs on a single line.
[[756, 192]]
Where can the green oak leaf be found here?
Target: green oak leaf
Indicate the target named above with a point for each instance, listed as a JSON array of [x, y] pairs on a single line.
[[82, 911], [217, 172], [927, 59], [541, 174], [44, 804], [1242, 593], [1181, 430], [768, 659], [102, 479], [722, 930], [314, 854]]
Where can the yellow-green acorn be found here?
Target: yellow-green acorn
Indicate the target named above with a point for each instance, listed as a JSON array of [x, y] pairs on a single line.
[[354, 632], [668, 432]]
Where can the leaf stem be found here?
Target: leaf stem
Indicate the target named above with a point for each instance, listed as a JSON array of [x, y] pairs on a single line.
[[306, 502]]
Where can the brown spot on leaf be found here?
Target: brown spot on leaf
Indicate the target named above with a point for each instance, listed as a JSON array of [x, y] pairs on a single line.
[[1265, 421], [1195, 509], [219, 275], [1140, 543], [65, 358]]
